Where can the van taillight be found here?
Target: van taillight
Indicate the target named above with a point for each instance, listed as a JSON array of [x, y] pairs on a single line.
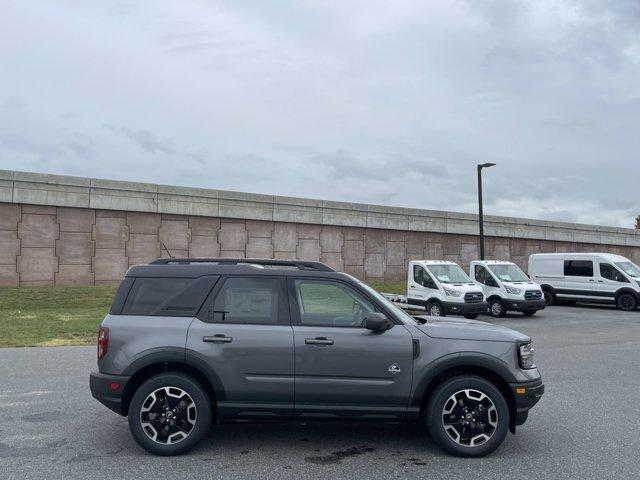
[[103, 342]]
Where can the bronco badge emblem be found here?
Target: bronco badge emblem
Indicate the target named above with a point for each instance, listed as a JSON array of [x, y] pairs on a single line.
[[394, 368]]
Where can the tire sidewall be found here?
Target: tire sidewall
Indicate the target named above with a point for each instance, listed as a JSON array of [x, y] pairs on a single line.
[[501, 303], [634, 302], [436, 405], [549, 297], [436, 304], [203, 416]]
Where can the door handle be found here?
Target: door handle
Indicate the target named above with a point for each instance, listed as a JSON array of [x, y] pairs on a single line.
[[217, 339], [591, 280], [600, 281], [318, 341]]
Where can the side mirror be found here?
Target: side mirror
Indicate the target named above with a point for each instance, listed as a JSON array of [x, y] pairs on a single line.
[[491, 282], [377, 322]]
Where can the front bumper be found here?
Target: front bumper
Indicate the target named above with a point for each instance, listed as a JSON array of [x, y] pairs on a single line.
[[526, 395], [108, 390], [523, 305], [463, 308]]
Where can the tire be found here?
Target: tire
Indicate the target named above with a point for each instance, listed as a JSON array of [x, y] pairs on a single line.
[[471, 316], [626, 302], [496, 308], [529, 313], [484, 431], [549, 297], [187, 401], [435, 309]]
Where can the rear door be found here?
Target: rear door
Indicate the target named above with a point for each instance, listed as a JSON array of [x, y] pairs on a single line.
[[244, 336], [343, 369]]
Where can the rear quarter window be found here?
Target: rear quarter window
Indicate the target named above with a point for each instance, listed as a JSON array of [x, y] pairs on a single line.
[[172, 297]]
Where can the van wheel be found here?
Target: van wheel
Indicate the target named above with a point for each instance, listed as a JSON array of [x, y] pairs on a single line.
[[627, 302], [169, 414], [435, 310], [496, 308], [549, 297], [467, 416]]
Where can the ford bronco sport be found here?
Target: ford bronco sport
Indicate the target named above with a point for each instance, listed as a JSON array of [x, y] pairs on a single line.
[[190, 342]]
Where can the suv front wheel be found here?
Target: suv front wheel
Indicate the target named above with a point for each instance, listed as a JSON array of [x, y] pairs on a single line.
[[467, 416], [169, 414]]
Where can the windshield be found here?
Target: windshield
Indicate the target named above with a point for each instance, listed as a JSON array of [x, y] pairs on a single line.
[[449, 273], [629, 268], [400, 314], [508, 273]]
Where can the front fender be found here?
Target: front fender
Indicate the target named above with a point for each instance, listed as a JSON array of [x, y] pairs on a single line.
[[459, 359]]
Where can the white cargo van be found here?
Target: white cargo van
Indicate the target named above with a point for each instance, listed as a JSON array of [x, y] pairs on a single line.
[[507, 288], [441, 288], [591, 277]]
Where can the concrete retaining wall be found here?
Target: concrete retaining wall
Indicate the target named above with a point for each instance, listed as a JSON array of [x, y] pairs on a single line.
[[69, 230]]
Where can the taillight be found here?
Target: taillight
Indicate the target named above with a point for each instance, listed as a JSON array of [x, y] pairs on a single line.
[[103, 342]]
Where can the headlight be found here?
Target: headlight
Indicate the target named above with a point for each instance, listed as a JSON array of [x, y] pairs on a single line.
[[452, 293], [513, 290], [525, 355]]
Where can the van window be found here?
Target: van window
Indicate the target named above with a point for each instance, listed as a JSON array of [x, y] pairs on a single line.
[[421, 277], [149, 296], [481, 274], [250, 300], [578, 268], [508, 273], [629, 268], [449, 273], [610, 272]]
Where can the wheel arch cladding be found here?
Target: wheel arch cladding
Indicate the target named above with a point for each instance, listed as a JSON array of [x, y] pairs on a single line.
[[148, 370], [479, 365], [628, 290]]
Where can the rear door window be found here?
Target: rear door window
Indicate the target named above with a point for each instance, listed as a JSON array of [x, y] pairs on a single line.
[[251, 300], [578, 268]]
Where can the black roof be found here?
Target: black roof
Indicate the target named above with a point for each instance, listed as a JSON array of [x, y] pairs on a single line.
[[197, 267]]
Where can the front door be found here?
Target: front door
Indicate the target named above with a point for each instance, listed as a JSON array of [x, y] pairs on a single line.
[[343, 369], [243, 333]]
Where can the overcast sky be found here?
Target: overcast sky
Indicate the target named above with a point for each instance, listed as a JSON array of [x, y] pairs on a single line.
[[389, 102]]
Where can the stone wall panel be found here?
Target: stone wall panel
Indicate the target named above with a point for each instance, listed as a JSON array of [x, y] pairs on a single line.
[[46, 245]]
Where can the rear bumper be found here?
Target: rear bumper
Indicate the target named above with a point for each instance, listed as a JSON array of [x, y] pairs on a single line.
[[522, 305], [108, 390], [460, 308], [525, 400]]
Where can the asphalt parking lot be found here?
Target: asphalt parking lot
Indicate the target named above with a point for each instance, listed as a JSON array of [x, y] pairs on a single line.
[[586, 426]]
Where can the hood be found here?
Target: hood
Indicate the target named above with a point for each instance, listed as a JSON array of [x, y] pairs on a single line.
[[463, 329], [533, 284]]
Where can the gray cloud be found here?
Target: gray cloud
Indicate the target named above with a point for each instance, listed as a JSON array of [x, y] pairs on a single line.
[[341, 100], [146, 140]]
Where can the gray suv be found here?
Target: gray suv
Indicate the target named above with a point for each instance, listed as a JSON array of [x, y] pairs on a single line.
[[190, 342]]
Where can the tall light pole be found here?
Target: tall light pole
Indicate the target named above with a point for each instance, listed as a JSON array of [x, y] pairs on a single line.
[[480, 219]]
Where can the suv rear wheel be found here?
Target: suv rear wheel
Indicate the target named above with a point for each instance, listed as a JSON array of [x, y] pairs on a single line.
[[169, 414], [467, 416]]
